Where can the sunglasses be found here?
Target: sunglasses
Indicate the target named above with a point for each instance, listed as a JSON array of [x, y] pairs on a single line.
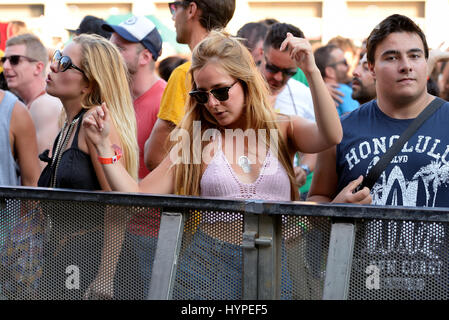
[[339, 62], [15, 59], [221, 94], [64, 62], [275, 69], [173, 6]]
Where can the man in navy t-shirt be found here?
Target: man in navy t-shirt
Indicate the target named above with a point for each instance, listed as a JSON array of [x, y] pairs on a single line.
[[410, 255]]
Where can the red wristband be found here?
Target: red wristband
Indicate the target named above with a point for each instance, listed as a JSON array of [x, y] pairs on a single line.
[[114, 159]]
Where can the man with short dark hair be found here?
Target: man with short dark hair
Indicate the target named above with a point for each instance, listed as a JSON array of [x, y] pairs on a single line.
[[417, 176], [397, 52], [25, 68], [363, 84], [194, 19], [288, 96], [334, 68]]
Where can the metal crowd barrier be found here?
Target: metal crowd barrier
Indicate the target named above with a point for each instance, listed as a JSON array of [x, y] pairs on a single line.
[[66, 244]]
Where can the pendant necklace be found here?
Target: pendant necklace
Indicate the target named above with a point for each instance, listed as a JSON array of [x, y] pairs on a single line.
[[244, 163]]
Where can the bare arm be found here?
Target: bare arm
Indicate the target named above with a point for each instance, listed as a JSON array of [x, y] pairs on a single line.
[[115, 177], [45, 114], [155, 147], [160, 180], [328, 131], [324, 183], [435, 56], [24, 143]]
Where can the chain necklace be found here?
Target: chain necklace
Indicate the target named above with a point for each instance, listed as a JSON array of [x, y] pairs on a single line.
[[60, 147]]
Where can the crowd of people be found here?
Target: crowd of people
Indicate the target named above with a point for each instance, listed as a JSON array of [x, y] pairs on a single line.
[[105, 114]]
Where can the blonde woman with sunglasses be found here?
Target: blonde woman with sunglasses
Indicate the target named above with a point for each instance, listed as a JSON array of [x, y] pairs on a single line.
[[89, 71], [229, 98]]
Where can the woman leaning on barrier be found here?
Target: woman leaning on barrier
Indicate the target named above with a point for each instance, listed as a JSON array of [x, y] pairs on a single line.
[[89, 71], [213, 159]]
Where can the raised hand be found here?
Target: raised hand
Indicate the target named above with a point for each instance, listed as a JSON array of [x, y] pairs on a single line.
[[97, 126], [300, 51]]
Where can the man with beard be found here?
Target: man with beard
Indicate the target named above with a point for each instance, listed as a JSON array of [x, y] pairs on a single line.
[[334, 68], [363, 84], [140, 45]]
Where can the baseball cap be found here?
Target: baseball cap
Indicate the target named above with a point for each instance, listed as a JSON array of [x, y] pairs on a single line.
[[139, 29], [91, 24]]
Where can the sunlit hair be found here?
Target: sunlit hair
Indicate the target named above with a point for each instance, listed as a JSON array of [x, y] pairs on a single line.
[[106, 71], [235, 59]]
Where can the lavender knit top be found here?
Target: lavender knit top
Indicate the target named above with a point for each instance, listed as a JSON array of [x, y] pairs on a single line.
[[220, 180]]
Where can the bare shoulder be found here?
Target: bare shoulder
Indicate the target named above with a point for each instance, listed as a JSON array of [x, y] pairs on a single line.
[[21, 118], [283, 121], [286, 123], [47, 104]]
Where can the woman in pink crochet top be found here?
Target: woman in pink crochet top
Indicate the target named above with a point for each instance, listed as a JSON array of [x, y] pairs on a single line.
[[231, 143]]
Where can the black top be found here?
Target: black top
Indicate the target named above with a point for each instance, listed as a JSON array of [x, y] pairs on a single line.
[[75, 170]]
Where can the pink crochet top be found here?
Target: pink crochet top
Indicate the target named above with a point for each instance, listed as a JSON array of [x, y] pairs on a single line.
[[220, 180]]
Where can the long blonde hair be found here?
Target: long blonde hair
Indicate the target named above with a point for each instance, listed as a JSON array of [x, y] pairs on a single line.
[[236, 60], [107, 73]]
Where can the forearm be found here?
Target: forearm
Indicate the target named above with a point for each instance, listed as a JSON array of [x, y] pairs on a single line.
[[115, 224], [116, 175], [155, 149], [326, 115]]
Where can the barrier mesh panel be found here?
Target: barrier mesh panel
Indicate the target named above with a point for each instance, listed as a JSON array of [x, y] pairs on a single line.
[[400, 260], [210, 262], [306, 243], [75, 250]]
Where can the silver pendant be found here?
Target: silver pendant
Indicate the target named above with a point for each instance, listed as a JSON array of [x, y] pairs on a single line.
[[244, 163]]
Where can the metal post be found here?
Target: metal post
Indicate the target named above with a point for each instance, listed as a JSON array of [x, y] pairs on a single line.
[[269, 244], [166, 257], [250, 256], [339, 261]]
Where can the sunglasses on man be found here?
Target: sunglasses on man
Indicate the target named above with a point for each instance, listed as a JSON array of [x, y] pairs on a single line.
[[275, 69], [173, 6], [344, 62], [64, 62], [15, 59], [202, 96]]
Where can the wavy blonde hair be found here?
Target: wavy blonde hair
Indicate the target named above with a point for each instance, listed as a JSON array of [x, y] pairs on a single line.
[[106, 71], [236, 60]]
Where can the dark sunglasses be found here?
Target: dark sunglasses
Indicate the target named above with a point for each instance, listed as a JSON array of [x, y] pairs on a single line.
[[339, 62], [275, 69], [15, 59], [173, 6], [64, 62], [202, 97]]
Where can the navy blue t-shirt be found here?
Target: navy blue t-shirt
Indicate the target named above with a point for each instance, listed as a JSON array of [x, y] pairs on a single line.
[[417, 176], [412, 257]]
